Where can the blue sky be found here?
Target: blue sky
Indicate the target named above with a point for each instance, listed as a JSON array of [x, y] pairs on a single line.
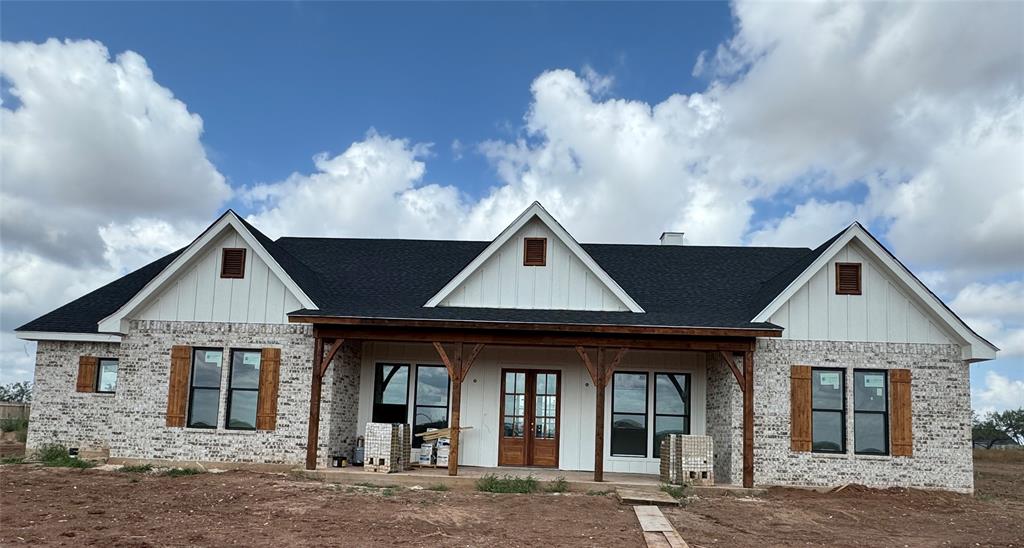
[[736, 123]]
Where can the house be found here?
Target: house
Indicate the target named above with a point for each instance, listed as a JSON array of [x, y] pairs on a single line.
[[807, 367]]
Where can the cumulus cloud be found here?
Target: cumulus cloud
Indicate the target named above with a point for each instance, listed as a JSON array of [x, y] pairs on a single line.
[[808, 225], [997, 394]]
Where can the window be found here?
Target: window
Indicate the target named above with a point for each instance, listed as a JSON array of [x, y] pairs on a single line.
[[232, 264], [243, 389], [545, 414], [870, 413], [828, 411], [431, 399], [629, 414], [106, 376], [535, 251], [391, 393], [514, 419], [671, 406], [204, 388], [848, 279]]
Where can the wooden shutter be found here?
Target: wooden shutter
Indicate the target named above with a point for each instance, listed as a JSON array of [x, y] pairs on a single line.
[[848, 279], [177, 385], [266, 407], [800, 407], [87, 374], [535, 251], [901, 435], [232, 264]]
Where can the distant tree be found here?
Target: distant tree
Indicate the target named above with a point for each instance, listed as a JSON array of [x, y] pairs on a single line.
[[16, 392], [1011, 423]]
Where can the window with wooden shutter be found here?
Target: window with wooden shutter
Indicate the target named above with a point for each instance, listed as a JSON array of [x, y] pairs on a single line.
[[266, 408], [177, 386], [535, 251], [800, 407], [848, 279], [86, 374], [232, 264], [900, 421]]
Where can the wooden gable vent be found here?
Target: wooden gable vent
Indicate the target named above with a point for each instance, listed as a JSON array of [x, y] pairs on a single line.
[[232, 264], [535, 251], [848, 279]]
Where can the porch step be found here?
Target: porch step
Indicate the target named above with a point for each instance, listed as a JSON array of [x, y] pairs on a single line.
[[645, 497]]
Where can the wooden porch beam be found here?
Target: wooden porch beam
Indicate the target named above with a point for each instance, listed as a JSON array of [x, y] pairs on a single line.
[[313, 435], [468, 362], [458, 367], [601, 374], [731, 362], [748, 419], [330, 356]]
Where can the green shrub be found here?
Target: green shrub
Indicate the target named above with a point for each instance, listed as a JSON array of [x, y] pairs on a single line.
[[14, 425], [178, 472], [439, 487], [56, 455], [491, 483], [387, 492], [12, 460], [137, 468], [558, 485], [675, 491], [597, 492]]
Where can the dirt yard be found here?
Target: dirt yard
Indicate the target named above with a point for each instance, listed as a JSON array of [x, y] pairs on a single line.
[[51, 506]]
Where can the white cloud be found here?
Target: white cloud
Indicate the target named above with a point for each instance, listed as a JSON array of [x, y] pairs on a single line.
[[808, 225], [599, 84], [1004, 300], [998, 394]]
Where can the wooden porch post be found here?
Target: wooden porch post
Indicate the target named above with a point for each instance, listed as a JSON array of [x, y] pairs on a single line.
[[320, 365], [600, 374], [458, 368], [748, 419]]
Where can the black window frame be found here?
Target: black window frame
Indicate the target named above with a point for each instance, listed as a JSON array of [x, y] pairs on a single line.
[[645, 415], [192, 387], [885, 414], [842, 412], [687, 406], [417, 441], [232, 388], [99, 371], [378, 370]]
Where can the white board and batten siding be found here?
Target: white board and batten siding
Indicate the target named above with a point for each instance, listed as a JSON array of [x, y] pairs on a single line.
[[883, 312], [564, 283], [199, 294], [481, 396]]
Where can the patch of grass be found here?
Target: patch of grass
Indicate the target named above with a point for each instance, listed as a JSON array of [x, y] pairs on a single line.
[[12, 460], [491, 483], [999, 455], [558, 485], [675, 491], [597, 492], [387, 492], [985, 497], [439, 487], [137, 468], [56, 455], [18, 425], [180, 472]]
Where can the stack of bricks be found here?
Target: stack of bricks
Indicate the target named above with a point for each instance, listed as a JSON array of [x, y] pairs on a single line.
[[387, 447], [687, 459]]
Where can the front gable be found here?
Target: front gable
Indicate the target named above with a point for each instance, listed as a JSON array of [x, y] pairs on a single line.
[[893, 305], [568, 279], [191, 288]]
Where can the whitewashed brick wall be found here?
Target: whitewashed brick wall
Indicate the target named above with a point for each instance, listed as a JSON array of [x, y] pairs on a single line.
[[725, 420], [941, 408], [60, 414]]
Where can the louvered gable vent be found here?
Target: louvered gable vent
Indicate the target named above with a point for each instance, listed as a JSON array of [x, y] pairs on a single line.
[[535, 251], [232, 263], [848, 279]]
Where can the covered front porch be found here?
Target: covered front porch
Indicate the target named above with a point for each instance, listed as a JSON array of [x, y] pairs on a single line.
[[484, 360]]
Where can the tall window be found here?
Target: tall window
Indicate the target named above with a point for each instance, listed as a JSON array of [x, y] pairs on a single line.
[[204, 388], [629, 414], [870, 413], [243, 389], [106, 376], [391, 393], [431, 399], [828, 413], [671, 406]]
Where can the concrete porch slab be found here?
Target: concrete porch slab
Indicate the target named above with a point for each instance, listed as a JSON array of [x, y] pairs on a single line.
[[645, 497]]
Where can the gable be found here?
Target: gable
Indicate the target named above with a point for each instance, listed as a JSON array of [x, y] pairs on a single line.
[[894, 306], [563, 283], [198, 292], [568, 279], [191, 286], [883, 312]]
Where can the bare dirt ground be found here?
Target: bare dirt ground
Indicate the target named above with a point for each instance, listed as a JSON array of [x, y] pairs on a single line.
[[50, 506], [856, 516]]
